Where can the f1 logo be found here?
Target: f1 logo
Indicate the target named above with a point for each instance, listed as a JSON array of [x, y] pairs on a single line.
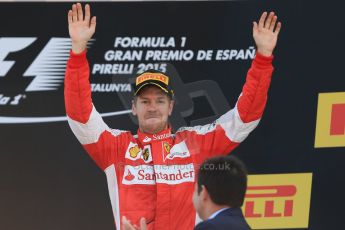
[[330, 122], [10, 45]]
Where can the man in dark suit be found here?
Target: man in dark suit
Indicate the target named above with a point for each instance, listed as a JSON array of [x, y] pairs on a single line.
[[219, 194]]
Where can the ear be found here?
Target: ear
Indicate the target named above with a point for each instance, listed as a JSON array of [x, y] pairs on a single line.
[[134, 109], [171, 106], [204, 195]]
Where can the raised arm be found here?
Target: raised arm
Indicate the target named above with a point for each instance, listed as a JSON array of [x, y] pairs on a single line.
[[232, 128], [77, 87], [102, 143], [252, 101]]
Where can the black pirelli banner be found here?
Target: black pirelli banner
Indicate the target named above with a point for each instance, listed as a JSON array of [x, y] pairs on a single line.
[[295, 156]]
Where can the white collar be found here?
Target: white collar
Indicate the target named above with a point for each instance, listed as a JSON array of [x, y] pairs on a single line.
[[216, 213]]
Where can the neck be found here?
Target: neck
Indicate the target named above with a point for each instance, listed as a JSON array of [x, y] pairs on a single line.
[[153, 130]]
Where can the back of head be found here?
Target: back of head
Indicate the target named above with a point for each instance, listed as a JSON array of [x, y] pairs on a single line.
[[225, 179]]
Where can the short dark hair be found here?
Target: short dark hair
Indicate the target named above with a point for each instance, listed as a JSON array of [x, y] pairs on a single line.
[[225, 178]]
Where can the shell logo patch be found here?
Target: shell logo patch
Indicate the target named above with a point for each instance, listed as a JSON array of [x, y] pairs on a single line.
[[134, 151]]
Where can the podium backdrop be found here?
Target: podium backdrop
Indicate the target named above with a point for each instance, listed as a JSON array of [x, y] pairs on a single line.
[[295, 157]]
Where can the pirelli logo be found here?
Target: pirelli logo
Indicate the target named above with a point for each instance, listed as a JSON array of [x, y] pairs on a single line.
[[278, 201], [152, 76], [330, 121]]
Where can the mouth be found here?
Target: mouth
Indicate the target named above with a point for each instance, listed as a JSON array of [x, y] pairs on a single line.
[[149, 118], [152, 117]]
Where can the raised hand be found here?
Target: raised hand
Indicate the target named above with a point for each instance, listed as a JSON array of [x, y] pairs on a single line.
[[266, 33], [80, 28]]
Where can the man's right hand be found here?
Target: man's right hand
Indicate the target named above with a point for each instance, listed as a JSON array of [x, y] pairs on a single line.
[[80, 28]]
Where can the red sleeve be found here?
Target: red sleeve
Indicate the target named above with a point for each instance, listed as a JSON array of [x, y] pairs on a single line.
[[252, 101], [102, 143], [227, 132], [78, 101]]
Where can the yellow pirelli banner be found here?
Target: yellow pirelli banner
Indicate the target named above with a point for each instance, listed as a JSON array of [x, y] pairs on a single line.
[[330, 122], [278, 201]]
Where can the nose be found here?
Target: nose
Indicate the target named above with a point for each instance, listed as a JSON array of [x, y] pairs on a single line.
[[152, 106]]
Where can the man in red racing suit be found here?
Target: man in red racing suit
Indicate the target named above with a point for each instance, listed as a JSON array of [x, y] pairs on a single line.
[[152, 174]]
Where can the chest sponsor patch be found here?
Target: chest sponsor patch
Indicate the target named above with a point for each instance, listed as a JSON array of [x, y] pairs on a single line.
[[179, 150], [133, 152], [146, 139], [147, 154], [158, 174]]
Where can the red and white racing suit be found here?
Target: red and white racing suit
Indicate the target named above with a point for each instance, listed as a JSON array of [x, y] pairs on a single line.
[[153, 176]]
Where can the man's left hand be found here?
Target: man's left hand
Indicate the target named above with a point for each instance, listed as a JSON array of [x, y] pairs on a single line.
[[266, 33]]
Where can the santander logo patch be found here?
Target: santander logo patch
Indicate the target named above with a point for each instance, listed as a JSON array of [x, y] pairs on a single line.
[[161, 137], [129, 176], [160, 174], [146, 139]]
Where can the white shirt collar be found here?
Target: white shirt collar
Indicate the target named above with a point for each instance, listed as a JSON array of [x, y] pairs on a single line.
[[216, 213]]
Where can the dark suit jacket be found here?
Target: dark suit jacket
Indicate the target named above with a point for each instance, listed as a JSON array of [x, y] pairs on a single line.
[[229, 219]]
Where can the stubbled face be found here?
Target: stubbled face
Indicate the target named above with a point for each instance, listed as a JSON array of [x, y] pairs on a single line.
[[152, 107]]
